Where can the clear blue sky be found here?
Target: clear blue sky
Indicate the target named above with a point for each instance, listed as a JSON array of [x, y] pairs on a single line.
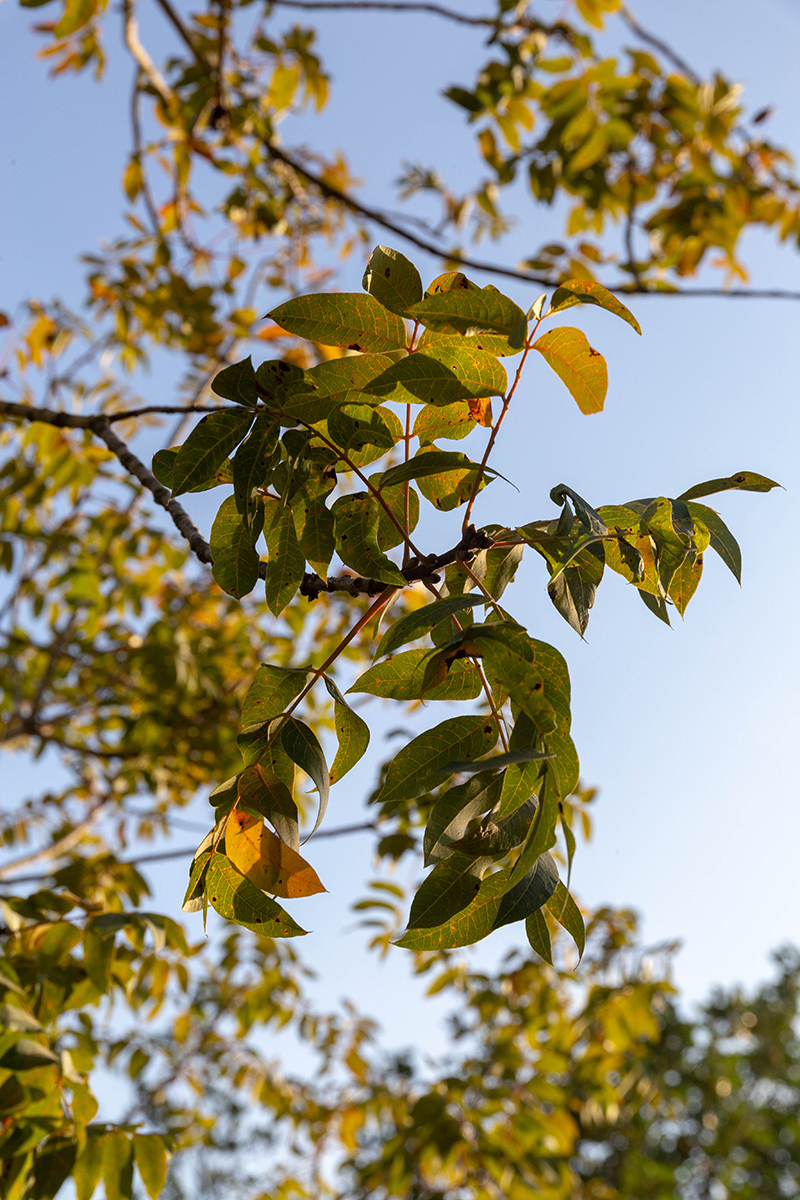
[[689, 734]]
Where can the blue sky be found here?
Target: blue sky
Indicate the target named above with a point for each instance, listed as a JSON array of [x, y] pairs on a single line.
[[689, 734]]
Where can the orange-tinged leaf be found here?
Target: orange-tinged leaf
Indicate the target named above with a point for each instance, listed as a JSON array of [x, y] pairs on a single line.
[[577, 364], [481, 410], [266, 861]]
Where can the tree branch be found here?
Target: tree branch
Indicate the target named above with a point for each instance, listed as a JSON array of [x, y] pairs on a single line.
[[58, 848], [99, 425]]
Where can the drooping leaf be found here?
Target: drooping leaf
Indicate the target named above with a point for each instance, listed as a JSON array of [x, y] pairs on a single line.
[[89, 1165], [392, 279], [233, 539], [497, 761], [356, 533], [590, 519], [303, 749], [351, 731], [263, 794], [164, 463], [533, 890], [542, 832], [451, 488], [401, 677], [151, 1159], [417, 623], [517, 678], [267, 861], [539, 935], [574, 590], [347, 319], [469, 310], [286, 564], [354, 426], [579, 366], [452, 813], [313, 524], [251, 464], [118, 1165], [568, 915], [207, 447], [416, 767], [581, 291], [722, 540], [685, 581], [394, 498], [743, 481], [236, 899], [468, 926], [272, 690], [237, 382], [193, 900], [449, 888]]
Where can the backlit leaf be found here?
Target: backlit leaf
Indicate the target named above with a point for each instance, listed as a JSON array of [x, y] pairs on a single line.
[[468, 926], [286, 564], [743, 481], [579, 366], [236, 899], [451, 421], [251, 463], [581, 291], [164, 463], [303, 749], [469, 310], [401, 677], [356, 533], [533, 890], [235, 560], [440, 377], [417, 623], [151, 1159], [351, 731], [267, 861], [722, 540], [568, 915], [207, 447], [347, 319], [272, 690], [539, 935], [237, 382], [416, 767], [392, 279], [452, 813]]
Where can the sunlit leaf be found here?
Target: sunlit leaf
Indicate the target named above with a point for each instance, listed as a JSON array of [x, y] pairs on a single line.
[[577, 365], [581, 291], [416, 767], [392, 279], [267, 861], [347, 319], [207, 447], [236, 899], [351, 731]]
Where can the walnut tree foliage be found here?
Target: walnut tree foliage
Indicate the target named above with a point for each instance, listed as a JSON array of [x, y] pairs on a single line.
[[146, 660]]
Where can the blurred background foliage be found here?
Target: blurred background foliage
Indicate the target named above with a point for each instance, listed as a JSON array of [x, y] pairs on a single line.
[[124, 667]]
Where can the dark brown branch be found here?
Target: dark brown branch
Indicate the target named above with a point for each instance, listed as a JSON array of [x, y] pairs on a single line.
[[436, 10], [416, 569]]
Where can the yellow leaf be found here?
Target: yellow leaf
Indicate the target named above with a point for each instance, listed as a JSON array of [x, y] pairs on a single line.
[[266, 861], [481, 410]]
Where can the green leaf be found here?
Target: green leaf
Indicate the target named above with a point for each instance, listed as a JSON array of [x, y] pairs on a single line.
[[448, 489], [263, 794], [574, 590], [416, 767], [392, 279], [451, 421], [539, 935], [151, 1159], [468, 926], [237, 899], [164, 464], [469, 310], [272, 690], [340, 380], [89, 1165], [579, 366], [353, 426], [345, 319], [580, 291], [449, 888], [722, 540], [355, 520], [429, 462], [401, 677], [394, 498], [252, 462], [52, 1167], [497, 761], [207, 447], [516, 677], [743, 481], [568, 915], [286, 565], [303, 749], [27, 1055], [440, 377], [192, 901], [237, 382], [19, 1020], [313, 524], [275, 378], [452, 813], [531, 893], [235, 560], [77, 13], [416, 624], [117, 1165], [351, 732], [542, 832], [591, 520]]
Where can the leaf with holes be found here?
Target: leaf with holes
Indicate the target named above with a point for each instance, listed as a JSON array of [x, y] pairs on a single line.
[[743, 481], [392, 279], [235, 559], [238, 900], [267, 861], [402, 677], [355, 524]]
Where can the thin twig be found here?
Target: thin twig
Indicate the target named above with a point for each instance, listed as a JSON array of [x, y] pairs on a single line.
[[142, 57], [59, 848]]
